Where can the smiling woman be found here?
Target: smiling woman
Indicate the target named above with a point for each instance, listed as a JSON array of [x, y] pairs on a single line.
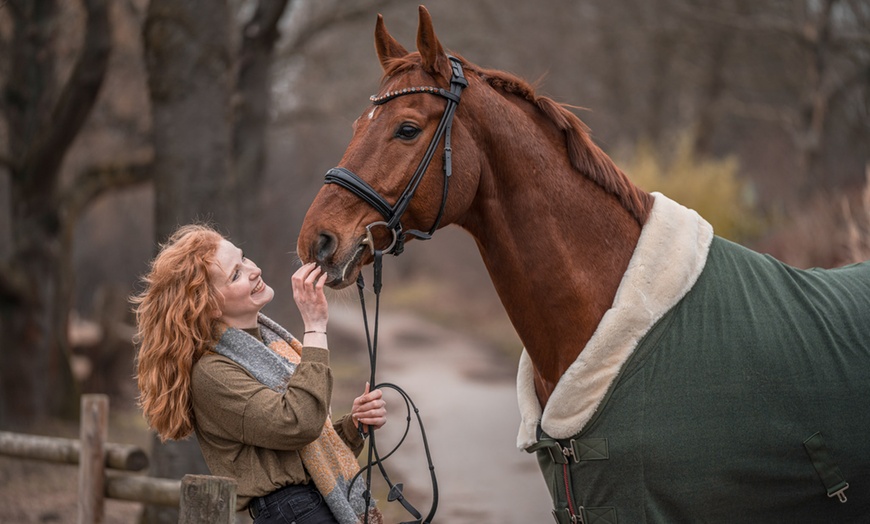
[[257, 398], [238, 280]]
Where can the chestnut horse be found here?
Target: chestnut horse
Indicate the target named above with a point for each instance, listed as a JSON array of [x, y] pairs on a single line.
[[635, 317]]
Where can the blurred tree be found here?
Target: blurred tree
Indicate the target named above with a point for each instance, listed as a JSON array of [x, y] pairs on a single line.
[[251, 111], [798, 66], [209, 132], [44, 114]]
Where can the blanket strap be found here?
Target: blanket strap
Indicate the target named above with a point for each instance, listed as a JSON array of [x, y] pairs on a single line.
[[562, 455], [827, 469], [575, 449]]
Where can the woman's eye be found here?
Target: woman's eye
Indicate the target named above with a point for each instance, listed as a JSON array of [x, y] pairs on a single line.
[[407, 131]]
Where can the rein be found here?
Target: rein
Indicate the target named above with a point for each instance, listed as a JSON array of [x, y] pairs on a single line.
[[393, 213], [392, 221], [374, 458]]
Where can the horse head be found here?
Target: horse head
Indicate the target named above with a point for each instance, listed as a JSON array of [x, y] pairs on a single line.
[[385, 156]]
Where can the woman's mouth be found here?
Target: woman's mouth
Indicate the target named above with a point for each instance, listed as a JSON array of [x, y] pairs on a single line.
[[259, 287]]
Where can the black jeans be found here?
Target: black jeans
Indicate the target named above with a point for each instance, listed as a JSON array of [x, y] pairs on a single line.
[[296, 504]]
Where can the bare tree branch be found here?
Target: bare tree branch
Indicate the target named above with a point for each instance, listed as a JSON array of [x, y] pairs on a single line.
[[98, 180], [327, 18], [263, 25], [42, 161]]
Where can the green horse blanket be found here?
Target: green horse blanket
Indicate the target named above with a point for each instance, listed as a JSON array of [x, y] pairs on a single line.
[[722, 386]]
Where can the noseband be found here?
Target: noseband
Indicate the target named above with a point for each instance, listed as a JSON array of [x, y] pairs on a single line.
[[393, 213]]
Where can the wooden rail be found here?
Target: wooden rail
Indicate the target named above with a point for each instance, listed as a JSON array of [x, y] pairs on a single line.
[[200, 498]]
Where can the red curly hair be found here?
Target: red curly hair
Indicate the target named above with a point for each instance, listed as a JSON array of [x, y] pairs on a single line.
[[177, 324]]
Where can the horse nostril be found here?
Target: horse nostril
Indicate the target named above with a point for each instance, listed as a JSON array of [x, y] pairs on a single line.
[[325, 248]]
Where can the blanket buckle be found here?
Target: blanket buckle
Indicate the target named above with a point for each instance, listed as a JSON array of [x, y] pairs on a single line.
[[568, 451], [840, 493]]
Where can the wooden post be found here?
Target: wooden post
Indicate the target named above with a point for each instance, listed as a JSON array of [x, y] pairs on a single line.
[[205, 498], [93, 432]]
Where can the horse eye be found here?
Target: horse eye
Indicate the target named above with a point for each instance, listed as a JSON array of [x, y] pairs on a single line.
[[407, 131]]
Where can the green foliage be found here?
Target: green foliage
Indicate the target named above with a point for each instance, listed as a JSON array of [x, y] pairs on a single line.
[[712, 187]]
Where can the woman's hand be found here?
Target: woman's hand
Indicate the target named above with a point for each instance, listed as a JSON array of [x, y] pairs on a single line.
[[369, 409], [308, 283]]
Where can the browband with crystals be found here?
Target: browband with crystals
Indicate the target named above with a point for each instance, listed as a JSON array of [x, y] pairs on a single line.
[[389, 95]]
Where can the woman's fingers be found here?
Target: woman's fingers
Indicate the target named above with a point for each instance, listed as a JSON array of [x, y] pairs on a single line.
[[313, 273], [308, 283], [370, 408]]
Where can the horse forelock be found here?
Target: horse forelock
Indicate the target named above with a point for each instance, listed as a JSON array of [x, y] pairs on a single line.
[[400, 65]]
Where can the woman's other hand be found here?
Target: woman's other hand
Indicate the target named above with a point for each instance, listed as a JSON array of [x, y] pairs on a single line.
[[369, 409]]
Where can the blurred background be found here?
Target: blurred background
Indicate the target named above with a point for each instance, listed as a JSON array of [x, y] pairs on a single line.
[[122, 119]]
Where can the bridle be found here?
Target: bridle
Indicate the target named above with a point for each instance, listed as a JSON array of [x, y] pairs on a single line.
[[392, 221], [393, 213]]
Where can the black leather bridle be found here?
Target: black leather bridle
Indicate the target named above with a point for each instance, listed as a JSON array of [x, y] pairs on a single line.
[[393, 213]]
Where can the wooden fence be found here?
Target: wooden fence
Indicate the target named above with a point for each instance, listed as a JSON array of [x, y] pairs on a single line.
[[104, 472]]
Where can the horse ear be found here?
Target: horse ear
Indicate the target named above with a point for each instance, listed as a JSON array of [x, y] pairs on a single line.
[[434, 59], [386, 46]]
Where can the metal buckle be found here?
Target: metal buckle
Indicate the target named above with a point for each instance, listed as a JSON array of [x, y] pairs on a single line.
[[840, 493], [564, 516], [568, 451], [557, 454], [370, 239], [563, 454]]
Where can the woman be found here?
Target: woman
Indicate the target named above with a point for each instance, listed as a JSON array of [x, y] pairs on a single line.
[[259, 400]]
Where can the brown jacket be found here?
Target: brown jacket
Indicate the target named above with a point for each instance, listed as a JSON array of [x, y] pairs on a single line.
[[251, 433]]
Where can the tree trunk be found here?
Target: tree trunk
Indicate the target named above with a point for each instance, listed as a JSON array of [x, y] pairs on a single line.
[[251, 115], [35, 378], [187, 56]]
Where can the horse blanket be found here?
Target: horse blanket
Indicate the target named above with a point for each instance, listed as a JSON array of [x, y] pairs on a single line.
[[722, 386]]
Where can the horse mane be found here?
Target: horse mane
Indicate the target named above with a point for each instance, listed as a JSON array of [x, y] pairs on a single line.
[[585, 156]]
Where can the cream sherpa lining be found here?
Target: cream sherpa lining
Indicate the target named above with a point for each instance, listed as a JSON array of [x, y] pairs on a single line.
[[669, 257]]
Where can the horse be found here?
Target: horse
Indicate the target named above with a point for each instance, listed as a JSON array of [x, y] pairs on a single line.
[[668, 374]]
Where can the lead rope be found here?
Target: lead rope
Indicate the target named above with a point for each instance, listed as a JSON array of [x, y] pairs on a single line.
[[374, 458]]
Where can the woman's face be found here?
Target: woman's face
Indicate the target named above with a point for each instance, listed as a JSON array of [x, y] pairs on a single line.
[[241, 285]]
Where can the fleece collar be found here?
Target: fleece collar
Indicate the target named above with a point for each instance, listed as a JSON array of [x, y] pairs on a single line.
[[668, 259]]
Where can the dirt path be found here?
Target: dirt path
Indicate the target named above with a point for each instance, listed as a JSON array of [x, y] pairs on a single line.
[[467, 399]]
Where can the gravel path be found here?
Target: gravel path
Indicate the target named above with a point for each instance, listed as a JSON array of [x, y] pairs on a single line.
[[467, 399]]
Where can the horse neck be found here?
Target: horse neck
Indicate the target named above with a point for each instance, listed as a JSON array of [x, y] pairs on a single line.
[[555, 245]]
